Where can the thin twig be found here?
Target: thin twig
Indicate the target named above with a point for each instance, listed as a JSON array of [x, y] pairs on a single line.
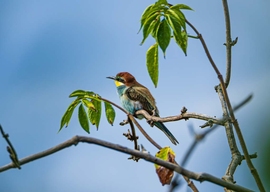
[[183, 116], [228, 42], [144, 132], [148, 157], [11, 150]]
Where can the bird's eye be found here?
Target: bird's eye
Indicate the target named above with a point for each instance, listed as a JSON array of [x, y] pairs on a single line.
[[120, 79]]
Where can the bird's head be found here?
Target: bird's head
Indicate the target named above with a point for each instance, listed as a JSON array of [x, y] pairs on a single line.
[[123, 78]]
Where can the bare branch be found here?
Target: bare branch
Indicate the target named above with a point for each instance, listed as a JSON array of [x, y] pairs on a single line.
[[236, 156], [229, 43], [183, 116], [231, 113], [77, 139]]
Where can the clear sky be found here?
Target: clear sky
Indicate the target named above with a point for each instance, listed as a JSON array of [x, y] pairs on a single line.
[[50, 48]]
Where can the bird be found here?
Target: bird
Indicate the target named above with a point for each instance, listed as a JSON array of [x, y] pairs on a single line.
[[134, 96]]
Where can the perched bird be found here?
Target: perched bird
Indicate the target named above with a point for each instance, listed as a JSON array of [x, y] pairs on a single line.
[[135, 96]]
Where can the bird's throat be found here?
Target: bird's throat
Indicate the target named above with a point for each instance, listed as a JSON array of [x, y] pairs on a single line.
[[118, 83]]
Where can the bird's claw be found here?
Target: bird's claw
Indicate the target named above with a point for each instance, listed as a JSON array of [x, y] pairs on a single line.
[[124, 122], [150, 122]]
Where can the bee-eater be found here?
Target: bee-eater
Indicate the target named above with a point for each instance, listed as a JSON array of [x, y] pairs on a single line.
[[135, 96]]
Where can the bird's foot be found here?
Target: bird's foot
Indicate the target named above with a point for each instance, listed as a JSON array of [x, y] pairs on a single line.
[[150, 122], [124, 122]]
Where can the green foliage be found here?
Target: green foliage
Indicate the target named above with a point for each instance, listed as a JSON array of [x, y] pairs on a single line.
[[83, 118], [110, 113], [161, 20], [152, 63], [95, 114], [163, 35], [92, 102]]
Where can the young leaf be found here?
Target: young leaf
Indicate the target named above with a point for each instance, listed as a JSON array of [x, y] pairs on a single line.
[[155, 27], [148, 26], [88, 104], [179, 36], [174, 24], [67, 116], [182, 41], [110, 113], [145, 15], [181, 6], [152, 63], [77, 93], [95, 115], [161, 2], [177, 16], [83, 118], [163, 35]]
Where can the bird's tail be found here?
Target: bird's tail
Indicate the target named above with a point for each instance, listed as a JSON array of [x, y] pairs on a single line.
[[163, 128]]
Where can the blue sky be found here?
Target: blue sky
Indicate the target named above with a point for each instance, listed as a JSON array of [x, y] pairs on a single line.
[[50, 48]]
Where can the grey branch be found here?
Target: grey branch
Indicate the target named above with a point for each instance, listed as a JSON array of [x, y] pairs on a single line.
[[183, 116], [77, 139]]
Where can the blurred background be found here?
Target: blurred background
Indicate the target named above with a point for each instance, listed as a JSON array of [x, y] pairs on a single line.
[[48, 49]]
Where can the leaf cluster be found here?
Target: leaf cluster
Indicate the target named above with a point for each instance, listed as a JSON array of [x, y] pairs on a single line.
[[163, 21], [90, 108]]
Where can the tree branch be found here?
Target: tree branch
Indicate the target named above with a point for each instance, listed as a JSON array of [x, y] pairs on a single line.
[[236, 155], [77, 139], [198, 138], [228, 43], [231, 113], [185, 116]]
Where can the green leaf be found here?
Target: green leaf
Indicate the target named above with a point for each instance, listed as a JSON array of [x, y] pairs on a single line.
[[88, 104], [155, 27], [95, 115], [161, 2], [83, 119], [163, 35], [152, 63], [181, 6], [81, 93], [110, 113], [145, 15], [174, 24], [177, 16], [182, 41], [77, 93], [179, 36], [148, 26], [67, 116]]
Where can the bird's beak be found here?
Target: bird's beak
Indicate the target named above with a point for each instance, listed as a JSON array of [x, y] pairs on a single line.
[[113, 78]]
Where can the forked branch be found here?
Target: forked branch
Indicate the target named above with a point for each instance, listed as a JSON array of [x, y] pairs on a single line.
[[82, 139]]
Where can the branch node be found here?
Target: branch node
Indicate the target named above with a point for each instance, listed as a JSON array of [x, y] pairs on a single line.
[[129, 136], [183, 110], [234, 41]]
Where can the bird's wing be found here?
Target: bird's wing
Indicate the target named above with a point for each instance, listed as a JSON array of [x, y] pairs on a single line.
[[143, 95]]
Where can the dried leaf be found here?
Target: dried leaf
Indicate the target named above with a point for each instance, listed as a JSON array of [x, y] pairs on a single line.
[[165, 175]]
